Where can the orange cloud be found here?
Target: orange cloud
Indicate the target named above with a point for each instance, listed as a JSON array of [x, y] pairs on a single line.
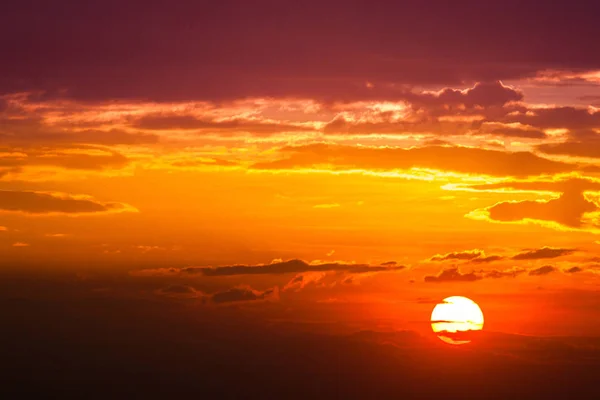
[[568, 210], [456, 159], [574, 208]]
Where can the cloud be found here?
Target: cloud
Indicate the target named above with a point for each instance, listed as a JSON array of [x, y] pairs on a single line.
[[558, 117], [545, 270], [31, 202], [473, 256], [456, 159], [573, 270], [34, 131], [455, 275], [68, 157], [254, 62], [20, 244], [180, 291], [572, 209], [244, 294], [514, 130], [389, 264], [191, 122], [487, 259], [483, 94], [544, 252], [233, 295], [578, 147], [286, 267], [460, 255], [452, 275], [300, 281], [509, 273]]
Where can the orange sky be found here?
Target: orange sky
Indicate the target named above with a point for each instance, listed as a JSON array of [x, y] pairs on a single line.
[[315, 163], [478, 189]]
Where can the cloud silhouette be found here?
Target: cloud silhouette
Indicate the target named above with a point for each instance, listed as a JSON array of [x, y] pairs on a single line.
[[510, 273], [545, 270], [286, 267], [180, 291], [487, 259], [455, 275], [473, 256], [31, 202], [544, 252], [567, 210], [452, 275], [244, 294], [459, 255], [573, 270]]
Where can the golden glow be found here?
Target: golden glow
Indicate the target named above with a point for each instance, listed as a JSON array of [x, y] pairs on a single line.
[[456, 314]]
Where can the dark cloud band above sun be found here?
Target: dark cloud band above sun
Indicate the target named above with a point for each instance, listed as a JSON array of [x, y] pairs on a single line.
[[269, 49]]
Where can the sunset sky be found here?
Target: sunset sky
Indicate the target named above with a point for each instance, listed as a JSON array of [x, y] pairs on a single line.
[[331, 167]]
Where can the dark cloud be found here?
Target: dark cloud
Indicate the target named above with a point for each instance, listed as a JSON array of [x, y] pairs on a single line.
[[286, 267], [544, 252], [33, 131], [180, 291], [487, 259], [473, 256], [190, 122], [233, 295], [486, 94], [558, 117], [455, 275], [452, 275], [510, 273], [517, 132], [50, 203], [460, 255], [587, 147], [567, 210], [69, 157], [545, 270], [243, 294], [113, 50], [573, 270], [389, 264], [457, 159]]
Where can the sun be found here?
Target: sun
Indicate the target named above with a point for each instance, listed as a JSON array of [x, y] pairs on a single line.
[[455, 319]]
